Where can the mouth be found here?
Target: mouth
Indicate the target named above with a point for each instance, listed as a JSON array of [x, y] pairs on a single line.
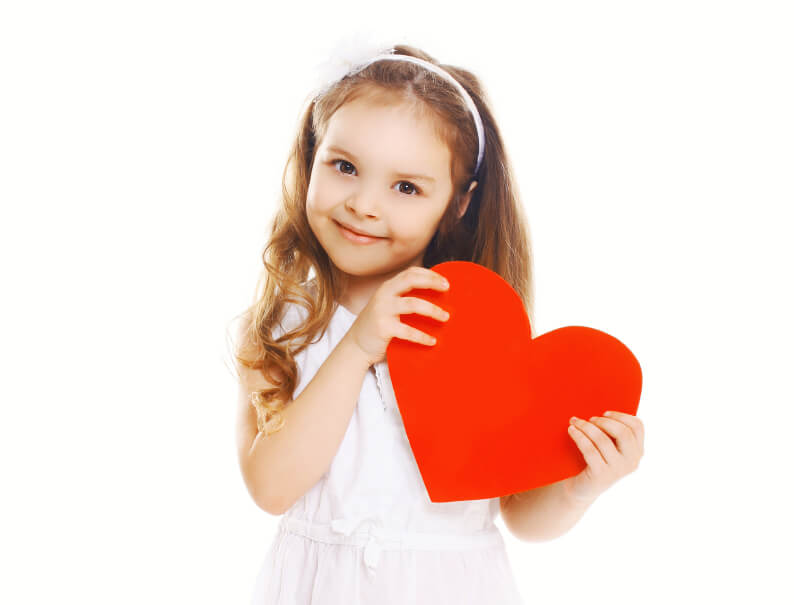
[[354, 235]]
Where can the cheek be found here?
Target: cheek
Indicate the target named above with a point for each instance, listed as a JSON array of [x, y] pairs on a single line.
[[322, 194], [314, 197], [414, 227]]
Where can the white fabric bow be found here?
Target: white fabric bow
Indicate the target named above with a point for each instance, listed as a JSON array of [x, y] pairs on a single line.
[[375, 534], [347, 54]]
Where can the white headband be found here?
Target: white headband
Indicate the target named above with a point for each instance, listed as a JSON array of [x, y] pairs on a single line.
[[435, 69]]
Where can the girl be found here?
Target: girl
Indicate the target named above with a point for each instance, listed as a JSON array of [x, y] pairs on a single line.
[[397, 166]]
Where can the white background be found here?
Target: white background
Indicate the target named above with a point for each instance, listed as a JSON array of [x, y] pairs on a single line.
[[141, 151]]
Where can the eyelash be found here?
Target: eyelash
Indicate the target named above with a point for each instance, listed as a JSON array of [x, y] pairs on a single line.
[[416, 189]]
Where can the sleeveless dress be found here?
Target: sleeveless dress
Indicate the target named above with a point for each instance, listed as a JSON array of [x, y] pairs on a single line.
[[367, 532]]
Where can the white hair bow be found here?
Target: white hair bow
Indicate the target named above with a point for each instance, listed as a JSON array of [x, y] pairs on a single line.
[[348, 53]]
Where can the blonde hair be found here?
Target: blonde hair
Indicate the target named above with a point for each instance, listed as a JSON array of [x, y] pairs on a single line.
[[493, 232]]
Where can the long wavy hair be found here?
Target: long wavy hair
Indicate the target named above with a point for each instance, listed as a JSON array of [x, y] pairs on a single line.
[[493, 232]]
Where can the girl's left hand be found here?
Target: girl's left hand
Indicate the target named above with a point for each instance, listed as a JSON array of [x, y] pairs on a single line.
[[606, 462]]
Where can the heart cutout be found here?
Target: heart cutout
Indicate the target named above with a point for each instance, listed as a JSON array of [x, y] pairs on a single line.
[[486, 409]]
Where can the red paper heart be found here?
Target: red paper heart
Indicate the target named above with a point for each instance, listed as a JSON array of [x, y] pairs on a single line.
[[487, 408]]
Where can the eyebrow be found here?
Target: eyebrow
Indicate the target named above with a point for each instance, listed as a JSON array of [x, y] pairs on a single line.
[[401, 175]]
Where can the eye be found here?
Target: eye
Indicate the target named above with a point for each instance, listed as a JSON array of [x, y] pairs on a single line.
[[335, 162], [413, 187], [414, 190]]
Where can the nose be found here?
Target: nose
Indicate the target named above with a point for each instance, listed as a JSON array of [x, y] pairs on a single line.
[[363, 201]]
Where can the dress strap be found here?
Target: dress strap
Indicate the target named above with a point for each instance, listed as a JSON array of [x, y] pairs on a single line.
[[380, 383]]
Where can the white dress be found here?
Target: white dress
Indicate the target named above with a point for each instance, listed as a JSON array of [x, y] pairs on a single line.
[[367, 532]]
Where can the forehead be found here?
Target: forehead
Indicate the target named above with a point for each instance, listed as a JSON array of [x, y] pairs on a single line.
[[396, 133]]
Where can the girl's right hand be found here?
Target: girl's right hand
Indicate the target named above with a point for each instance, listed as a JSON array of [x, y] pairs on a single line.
[[380, 321]]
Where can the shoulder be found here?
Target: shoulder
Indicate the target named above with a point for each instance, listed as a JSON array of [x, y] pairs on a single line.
[[242, 332], [250, 379], [291, 317]]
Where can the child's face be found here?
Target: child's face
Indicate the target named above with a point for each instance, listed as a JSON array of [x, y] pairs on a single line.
[[358, 178]]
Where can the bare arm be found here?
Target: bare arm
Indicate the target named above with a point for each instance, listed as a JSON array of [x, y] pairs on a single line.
[[280, 468]]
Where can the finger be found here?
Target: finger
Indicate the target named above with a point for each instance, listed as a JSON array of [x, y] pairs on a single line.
[[623, 434], [600, 439], [420, 306], [590, 452], [407, 332], [439, 281], [419, 277], [629, 419]]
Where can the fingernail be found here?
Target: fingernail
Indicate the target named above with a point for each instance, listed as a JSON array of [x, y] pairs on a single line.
[[573, 418]]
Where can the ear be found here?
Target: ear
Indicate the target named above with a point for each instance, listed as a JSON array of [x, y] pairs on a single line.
[[464, 203]]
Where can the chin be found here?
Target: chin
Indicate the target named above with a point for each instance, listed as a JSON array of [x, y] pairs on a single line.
[[357, 263], [356, 269]]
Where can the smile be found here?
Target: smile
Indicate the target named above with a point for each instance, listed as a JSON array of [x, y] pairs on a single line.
[[355, 237]]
